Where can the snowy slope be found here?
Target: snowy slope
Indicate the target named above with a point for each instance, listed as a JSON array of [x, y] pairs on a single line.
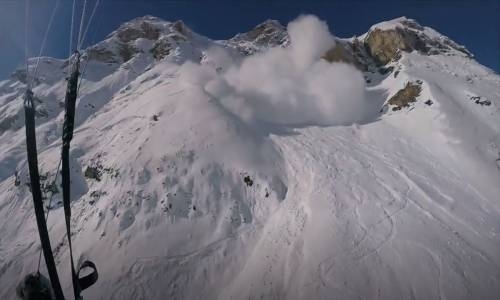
[[192, 180]]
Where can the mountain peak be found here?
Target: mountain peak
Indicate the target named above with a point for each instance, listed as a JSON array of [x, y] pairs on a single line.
[[270, 23], [270, 33], [149, 27], [189, 159], [146, 18], [147, 34], [400, 22], [385, 40]]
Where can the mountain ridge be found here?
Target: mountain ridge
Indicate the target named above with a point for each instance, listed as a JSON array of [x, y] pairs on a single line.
[[256, 167]]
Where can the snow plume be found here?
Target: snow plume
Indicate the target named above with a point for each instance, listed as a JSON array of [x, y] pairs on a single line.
[[287, 86]]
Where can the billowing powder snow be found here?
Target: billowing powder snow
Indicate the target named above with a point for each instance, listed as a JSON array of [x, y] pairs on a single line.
[[212, 175]]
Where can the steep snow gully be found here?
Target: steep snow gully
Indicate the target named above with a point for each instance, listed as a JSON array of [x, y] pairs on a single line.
[[241, 170]]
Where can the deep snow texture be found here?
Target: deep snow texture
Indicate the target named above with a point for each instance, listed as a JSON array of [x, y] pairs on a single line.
[[227, 177]]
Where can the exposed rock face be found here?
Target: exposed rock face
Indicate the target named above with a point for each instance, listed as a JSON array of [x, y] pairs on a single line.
[[346, 54], [339, 54], [412, 24], [161, 49], [385, 42], [144, 30], [267, 34], [126, 51], [405, 96], [181, 28], [384, 46], [480, 100], [123, 44], [93, 173], [101, 54]]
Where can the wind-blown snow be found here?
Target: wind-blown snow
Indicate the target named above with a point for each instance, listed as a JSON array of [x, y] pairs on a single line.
[[288, 86], [273, 176]]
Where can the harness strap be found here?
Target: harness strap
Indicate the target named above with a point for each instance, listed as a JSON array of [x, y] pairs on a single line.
[[89, 279], [29, 113], [79, 284]]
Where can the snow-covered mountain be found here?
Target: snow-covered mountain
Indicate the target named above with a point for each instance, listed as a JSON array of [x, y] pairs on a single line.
[[282, 163]]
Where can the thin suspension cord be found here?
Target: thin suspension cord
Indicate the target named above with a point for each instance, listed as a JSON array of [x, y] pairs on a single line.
[[54, 10], [71, 31], [88, 58], [60, 160], [55, 176], [83, 74], [27, 10], [89, 22], [79, 44], [26, 26], [36, 68], [82, 18]]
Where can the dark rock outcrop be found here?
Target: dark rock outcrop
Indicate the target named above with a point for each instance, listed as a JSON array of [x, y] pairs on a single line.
[[126, 51], [161, 49], [344, 53], [267, 34], [385, 44], [405, 96], [101, 55], [144, 30], [93, 172]]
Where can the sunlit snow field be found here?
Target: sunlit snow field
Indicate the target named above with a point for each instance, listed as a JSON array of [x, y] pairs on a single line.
[[271, 176]]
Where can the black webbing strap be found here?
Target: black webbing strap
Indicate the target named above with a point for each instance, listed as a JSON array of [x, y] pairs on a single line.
[[89, 279], [29, 113], [68, 126]]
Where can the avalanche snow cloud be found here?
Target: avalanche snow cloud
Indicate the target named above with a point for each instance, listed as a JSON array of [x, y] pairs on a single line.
[[287, 86], [202, 180]]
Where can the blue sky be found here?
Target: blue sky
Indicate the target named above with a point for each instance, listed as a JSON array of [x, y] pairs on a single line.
[[475, 24]]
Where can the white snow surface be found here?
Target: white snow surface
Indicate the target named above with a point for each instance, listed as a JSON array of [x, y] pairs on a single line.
[[204, 195]]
